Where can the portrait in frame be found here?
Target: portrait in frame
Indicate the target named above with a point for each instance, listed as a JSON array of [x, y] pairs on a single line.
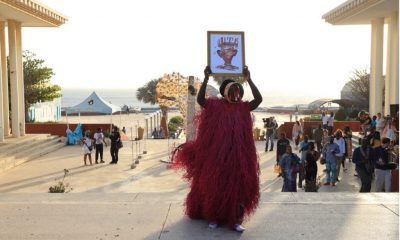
[[225, 52]]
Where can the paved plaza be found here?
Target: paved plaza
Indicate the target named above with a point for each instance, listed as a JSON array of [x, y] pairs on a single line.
[[117, 202]]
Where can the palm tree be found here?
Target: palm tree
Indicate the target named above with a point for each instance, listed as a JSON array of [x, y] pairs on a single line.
[[147, 93]]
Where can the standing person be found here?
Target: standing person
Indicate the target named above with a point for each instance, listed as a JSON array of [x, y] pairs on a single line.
[[87, 148], [330, 124], [329, 151], [115, 143], [383, 177], [288, 164], [389, 129], [373, 122], [311, 168], [99, 140], [221, 163], [348, 136], [296, 131], [303, 151], [339, 140], [275, 126], [281, 145], [326, 138], [269, 134], [364, 158], [325, 119], [380, 123], [318, 135]]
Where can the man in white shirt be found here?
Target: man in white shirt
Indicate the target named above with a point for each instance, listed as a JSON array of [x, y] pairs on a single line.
[[99, 138], [380, 123], [330, 124], [325, 119], [339, 156]]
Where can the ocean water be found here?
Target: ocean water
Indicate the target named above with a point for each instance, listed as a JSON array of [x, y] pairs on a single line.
[[73, 96]]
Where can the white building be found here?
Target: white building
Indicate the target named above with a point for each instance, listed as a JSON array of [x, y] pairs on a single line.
[[376, 13], [14, 15]]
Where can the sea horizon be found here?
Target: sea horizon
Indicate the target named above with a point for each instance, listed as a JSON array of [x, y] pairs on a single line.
[[127, 96]]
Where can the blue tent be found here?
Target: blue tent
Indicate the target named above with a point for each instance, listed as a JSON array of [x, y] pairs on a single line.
[[94, 104]]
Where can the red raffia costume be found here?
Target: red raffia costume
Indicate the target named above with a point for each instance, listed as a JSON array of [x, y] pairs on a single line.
[[221, 164]]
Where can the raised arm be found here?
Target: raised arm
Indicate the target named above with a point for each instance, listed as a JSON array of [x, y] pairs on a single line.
[[201, 96], [254, 90]]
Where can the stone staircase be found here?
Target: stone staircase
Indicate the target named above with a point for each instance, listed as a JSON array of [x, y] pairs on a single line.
[[15, 151]]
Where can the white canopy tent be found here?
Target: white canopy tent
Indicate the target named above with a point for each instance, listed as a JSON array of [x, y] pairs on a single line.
[[93, 104]]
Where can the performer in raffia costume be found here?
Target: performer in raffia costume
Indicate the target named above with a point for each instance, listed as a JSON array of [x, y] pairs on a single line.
[[221, 163]]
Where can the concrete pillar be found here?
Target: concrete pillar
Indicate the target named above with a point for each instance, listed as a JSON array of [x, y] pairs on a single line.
[[392, 63], [12, 44], [155, 120], [151, 124], [4, 80], [147, 127], [191, 109], [158, 119], [21, 85], [375, 84], [1, 103]]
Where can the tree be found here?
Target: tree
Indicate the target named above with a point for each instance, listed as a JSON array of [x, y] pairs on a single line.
[[37, 86], [359, 86], [147, 93]]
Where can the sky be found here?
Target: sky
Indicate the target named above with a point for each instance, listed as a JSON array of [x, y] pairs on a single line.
[[290, 49]]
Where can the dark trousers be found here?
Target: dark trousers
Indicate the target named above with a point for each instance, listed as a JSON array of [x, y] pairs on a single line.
[[319, 145], [114, 153], [270, 137], [366, 179], [99, 151]]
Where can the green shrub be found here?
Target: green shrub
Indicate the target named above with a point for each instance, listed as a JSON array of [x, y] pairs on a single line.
[[340, 115], [174, 123], [60, 187]]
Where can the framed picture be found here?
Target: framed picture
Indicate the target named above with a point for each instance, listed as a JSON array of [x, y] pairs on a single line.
[[226, 52]]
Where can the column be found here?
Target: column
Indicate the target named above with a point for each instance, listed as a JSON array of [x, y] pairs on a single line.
[[155, 120], [191, 105], [158, 119], [151, 124], [375, 84], [12, 44], [4, 80], [21, 85], [1, 102], [392, 63], [147, 127]]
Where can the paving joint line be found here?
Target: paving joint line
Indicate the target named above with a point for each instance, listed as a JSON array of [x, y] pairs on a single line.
[[165, 220]]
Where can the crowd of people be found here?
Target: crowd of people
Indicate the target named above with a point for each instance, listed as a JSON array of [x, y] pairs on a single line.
[[374, 158]]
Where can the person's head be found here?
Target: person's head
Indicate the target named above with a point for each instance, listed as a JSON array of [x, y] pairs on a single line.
[[374, 117], [319, 126], [338, 134], [347, 129], [99, 130], [305, 138], [377, 135], [289, 149], [365, 142], [385, 142], [231, 90], [115, 129], [282, 135], [331, 139], [311, 146], [325, 132], [379, 115], [331, 114], [297, 122], [323, 114]]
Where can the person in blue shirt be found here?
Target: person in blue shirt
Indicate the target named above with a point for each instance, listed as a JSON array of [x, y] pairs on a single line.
[[303, 148], [288, 163], [364, 158], [329, 153]]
